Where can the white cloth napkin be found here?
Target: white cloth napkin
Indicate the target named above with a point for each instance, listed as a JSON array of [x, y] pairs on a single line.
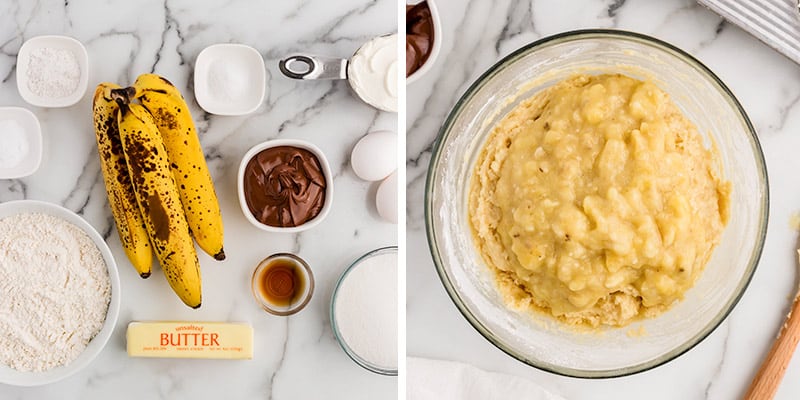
[[446, 380], [774, 22]]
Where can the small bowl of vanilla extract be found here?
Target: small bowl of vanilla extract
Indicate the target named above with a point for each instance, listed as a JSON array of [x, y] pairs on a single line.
[[282, 284]]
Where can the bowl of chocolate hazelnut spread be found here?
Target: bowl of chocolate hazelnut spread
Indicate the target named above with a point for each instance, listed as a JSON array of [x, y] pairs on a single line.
[[423, 38], [285, 185]]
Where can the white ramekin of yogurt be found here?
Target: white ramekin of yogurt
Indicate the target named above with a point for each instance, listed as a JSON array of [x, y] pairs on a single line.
[[371, 72]]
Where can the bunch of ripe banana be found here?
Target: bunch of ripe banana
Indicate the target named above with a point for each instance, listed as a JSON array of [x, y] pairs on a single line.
[[157, 181]]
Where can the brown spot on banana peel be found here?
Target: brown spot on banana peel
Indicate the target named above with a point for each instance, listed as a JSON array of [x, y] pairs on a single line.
[[166, 81], [144, 92], [159, 217], [166, 118]]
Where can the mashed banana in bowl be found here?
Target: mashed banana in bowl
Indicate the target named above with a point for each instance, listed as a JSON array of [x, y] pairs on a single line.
[[597, 202]]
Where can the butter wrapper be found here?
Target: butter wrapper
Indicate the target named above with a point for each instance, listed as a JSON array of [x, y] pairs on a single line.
[[216, 340]]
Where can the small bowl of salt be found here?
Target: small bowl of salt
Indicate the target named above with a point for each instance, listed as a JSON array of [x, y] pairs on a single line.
[[52, 71], [20, 143], [229, 79]]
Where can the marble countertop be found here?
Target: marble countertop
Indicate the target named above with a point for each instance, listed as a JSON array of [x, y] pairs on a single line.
[[295, 357], [766, 83]]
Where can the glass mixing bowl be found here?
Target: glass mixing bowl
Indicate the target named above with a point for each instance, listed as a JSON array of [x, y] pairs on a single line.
[[540, 340], [389, 370]]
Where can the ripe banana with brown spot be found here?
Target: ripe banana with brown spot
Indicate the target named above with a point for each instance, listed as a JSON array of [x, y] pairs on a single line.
[[159, 202], [121, 199], [169, 110]]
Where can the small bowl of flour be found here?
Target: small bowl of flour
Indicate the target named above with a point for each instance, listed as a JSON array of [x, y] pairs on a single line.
[[52, 71], [59, 293], [364, 311]]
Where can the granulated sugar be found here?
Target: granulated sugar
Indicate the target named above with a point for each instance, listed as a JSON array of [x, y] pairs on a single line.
[[366, 310], [54, 291], [227, 80]]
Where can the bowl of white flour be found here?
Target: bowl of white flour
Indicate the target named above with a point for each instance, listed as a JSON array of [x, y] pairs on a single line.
[[59, 293]]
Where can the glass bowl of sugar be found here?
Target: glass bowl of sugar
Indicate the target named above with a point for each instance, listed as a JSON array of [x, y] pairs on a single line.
[[364, 311]]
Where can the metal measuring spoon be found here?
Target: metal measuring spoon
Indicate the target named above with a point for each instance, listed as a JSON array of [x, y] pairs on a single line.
[[379, 94]]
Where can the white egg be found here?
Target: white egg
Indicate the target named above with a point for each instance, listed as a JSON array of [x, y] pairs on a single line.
[[374, 157], [386, 198]]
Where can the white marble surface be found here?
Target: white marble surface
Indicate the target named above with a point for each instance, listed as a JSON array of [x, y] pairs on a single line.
[[480, 32], [296, 357]]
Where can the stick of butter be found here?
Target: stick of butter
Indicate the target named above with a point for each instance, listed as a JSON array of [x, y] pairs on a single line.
[[190, 340]]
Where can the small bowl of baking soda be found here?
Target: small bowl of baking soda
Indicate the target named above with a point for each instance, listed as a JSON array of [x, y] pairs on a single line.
[[20, 143], [52, 71]]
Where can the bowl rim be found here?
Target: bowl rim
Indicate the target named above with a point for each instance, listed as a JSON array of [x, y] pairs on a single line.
[[381, 370], [455, 112], [437, 44], [100, 341], [60, 41], [204, 97], [326, 169]]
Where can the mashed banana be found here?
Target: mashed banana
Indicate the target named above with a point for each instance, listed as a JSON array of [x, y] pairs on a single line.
[[597, 202]]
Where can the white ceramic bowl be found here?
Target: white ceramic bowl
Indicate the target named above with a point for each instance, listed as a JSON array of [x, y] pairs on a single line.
[[537, 339], [243, 61], [326, 169], [437, 44], [33, 133], [58, 42], [17, 378]]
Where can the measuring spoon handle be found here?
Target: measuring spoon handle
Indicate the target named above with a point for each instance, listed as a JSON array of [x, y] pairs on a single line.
[[307, 67]]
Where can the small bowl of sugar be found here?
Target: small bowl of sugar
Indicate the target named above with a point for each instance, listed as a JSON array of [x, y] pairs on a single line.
[[364, 311], [229, 79], [52, 71], [20, 143]]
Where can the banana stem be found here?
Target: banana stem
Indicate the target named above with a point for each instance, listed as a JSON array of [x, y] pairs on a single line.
[[124, 95]]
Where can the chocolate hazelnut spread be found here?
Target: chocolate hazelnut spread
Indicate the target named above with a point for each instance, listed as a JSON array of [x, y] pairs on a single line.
[[419, 36], [284, 186]]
